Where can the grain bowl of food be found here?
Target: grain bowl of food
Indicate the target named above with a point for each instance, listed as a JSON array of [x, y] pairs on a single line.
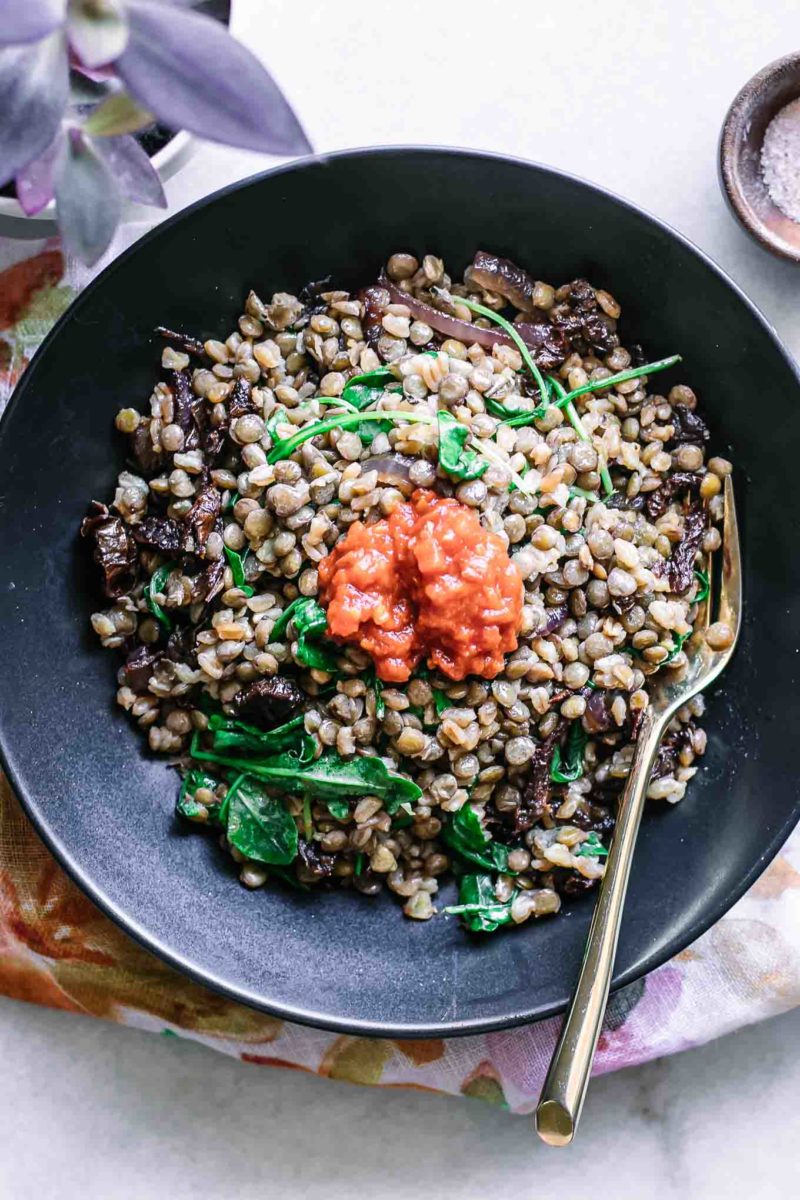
[[392, 513]]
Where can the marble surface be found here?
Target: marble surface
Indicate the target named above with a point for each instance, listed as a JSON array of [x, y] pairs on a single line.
[[631, 95], [92, 1112]]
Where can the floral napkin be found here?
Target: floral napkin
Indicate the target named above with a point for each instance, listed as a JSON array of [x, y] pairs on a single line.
[[57, 949]]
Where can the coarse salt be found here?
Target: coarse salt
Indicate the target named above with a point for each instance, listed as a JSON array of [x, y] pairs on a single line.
[[780, 160]]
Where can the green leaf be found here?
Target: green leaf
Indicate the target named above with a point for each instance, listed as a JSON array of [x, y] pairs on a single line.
[[190, 808], [329, 777], [156, 586], [310, 621], [277, 418], [279, 628], [678, 641], [367, 430], [287, 446], [335, 401], [454, 458], [481, 910], [379, 376], [117, 114], [441, 700], [598, 385], [339, 809], [564, 400], [259, 826], [592, 847], [568, 767], [361, 395], [231, 734], [376, 685], [491, 315], [465, 835], [497, 409], [705, 586], [359, 867], [236, 562]]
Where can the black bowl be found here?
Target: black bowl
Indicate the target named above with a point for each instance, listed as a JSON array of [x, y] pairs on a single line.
[[105, 807]]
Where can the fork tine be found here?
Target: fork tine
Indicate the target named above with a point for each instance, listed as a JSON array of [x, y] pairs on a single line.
[[730, 605]]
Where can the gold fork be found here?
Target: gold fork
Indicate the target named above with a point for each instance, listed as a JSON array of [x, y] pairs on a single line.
[[564, 1090]]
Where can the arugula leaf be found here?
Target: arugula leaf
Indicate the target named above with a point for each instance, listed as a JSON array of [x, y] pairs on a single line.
[[480, 908], [441, 700], [370, 386], [367, 430], [156, 585], [597, 385], [236, 562], [231, 734], [497, 409], [329, 777], [338, 401], [513, 333], [705, 586], [361, 395], [565, 400], [190, 808], [376, 685], [570, 767], [592, 847], [454, 458], [678, 641], [465, 835], [310, 621], [277, 418], [372, 378], [359, 864], [286, 446], [258, 824], [339, 809], [279, 628]]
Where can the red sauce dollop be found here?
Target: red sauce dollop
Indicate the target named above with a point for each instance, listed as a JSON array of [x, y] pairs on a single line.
[[428, 582]]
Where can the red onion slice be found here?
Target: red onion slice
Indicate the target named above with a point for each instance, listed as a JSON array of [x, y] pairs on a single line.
[[393, 470], [504, 277], [548, 345]]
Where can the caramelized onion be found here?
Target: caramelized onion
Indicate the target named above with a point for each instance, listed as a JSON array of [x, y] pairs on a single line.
[[554, 617], [504, 277], [548, 345], [393, 470]]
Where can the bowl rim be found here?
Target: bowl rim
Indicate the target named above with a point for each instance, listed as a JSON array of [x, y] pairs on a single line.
[[741, 104], [293, 1013]]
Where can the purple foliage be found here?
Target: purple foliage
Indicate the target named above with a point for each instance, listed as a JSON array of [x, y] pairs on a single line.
[[133, 171], [186, 69], [177, 64], [24, 21]]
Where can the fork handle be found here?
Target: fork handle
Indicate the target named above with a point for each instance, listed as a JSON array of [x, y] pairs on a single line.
[[562, 1097]]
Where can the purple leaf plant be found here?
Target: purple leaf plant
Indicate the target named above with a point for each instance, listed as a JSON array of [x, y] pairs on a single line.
[[152, 60]]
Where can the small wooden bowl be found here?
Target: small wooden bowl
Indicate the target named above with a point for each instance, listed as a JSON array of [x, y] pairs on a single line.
[[740, 156]]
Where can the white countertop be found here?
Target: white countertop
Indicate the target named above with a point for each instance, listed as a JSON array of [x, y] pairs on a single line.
[[631, 95]]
